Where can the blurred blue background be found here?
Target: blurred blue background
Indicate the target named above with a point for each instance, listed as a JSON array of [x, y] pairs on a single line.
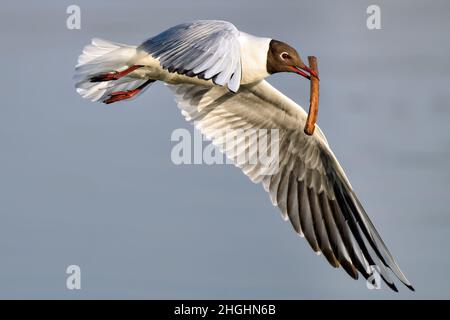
[[93, 185]]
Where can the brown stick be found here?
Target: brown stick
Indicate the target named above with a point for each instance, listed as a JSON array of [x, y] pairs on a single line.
[[310, 124]]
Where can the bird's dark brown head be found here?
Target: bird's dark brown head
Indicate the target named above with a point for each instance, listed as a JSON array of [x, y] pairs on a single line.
[[283, 58]]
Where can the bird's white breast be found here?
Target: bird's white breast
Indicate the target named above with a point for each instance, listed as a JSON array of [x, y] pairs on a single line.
[[253, 57]]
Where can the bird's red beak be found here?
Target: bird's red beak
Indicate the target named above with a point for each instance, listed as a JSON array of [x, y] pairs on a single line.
[[301, 71]]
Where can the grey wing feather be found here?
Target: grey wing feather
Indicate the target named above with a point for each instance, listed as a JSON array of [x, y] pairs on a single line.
[[208, 49], [310, 187]]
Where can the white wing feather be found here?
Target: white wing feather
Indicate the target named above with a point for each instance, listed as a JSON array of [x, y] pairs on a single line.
[[309, 187], [208, 49]]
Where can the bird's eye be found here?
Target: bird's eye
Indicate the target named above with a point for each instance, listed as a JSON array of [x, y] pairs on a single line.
[[284, 55]]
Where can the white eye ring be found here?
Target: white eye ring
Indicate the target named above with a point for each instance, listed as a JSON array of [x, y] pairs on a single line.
[[285, 54]]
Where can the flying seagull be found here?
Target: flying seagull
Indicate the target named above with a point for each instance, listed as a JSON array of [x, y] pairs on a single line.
[[217, 74]]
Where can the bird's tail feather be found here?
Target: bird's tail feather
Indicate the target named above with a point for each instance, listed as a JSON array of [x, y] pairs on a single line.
[[100, 57]]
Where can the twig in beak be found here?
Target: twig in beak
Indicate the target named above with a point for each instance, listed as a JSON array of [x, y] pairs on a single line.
[[310, 124]]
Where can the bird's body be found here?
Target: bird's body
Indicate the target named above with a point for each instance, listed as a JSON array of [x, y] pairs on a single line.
[[253, 57], [217, 73]]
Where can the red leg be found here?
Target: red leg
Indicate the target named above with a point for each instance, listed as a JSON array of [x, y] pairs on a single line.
[[123, 95], [114, 75]]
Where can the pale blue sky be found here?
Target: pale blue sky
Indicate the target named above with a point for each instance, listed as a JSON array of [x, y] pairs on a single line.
[[93, 185]]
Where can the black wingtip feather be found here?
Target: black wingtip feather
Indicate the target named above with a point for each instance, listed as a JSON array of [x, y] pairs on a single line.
[[410, 287], [350, 269], [390, 285]]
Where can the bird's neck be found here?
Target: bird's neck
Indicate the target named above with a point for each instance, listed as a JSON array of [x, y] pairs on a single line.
[[253, 57]]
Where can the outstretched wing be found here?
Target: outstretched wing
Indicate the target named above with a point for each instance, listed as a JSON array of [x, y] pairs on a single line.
[[208, 49], [309, 186]]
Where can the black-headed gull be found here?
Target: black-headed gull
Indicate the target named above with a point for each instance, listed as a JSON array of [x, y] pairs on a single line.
[[217, 75]]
